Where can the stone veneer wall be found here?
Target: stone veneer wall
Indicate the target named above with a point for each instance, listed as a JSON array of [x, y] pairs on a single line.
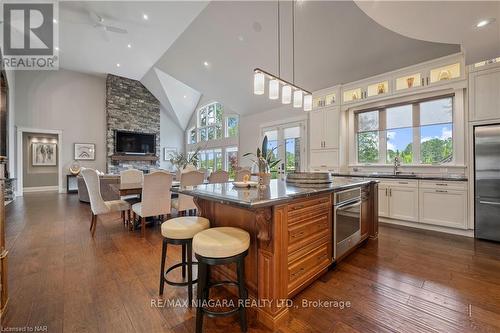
[[130, 107]]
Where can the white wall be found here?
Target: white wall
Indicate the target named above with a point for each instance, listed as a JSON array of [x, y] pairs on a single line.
[[68, 101], [250, 127], [11, 79], [171, 136]]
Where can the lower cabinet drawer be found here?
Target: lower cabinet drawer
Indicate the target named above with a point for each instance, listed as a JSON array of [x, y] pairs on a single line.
[[304, 268], [302, 234]]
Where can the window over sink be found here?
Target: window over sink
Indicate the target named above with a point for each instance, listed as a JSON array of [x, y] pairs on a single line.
[[420, 132]]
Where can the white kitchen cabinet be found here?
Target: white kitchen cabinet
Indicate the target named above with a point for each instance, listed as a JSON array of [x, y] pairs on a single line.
[[403, 203], [484, 94], [398, 200], [324, 128], [324, 160], [383, 201], [443, 207]]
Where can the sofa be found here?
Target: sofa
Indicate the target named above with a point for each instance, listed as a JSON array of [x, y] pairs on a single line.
[[106, 191]]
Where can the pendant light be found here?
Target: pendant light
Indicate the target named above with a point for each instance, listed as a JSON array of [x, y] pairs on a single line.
[[286, 94], [274, 89], [259, 81], [301, 97]]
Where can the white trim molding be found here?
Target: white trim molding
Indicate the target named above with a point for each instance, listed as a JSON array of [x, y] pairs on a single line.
[[41, 189]]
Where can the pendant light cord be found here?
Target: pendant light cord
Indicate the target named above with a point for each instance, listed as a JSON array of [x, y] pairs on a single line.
[[293, 41], [279, 41]]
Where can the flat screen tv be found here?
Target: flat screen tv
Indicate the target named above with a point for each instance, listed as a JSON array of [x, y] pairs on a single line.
[[134, 143]]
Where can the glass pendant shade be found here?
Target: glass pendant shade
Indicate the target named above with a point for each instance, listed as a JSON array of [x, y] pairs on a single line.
[[274, 89], [308, 100], [258, 83], [297, 98], [286, 94]]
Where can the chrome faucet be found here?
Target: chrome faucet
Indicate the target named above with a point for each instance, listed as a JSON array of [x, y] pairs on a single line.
[[397, 164]]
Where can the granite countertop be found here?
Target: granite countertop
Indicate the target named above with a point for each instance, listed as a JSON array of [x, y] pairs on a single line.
[[442, 177], [277, 192]]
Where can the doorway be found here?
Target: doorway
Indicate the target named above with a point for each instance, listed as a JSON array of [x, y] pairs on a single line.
[[289, 143], [39, 167]]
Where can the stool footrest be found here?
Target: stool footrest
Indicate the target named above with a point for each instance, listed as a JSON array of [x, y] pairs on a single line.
[[173, 283], [214, 314], [222, 283]]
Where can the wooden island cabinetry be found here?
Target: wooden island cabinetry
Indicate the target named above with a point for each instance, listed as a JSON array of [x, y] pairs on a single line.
[[291, 235]]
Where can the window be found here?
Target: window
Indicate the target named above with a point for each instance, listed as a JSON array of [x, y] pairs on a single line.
[[212, 125], [231, 161], [211, 160], [419, 133], [232, 126]]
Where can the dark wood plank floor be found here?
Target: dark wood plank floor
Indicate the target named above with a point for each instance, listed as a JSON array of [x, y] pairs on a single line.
[[408, 281]]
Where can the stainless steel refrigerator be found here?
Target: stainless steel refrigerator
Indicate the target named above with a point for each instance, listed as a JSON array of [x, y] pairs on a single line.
[[487, 181]]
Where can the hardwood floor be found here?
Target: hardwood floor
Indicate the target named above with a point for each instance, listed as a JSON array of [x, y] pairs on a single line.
[[408, 281]]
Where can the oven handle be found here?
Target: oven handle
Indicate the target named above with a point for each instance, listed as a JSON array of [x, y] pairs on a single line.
[[347, 205]]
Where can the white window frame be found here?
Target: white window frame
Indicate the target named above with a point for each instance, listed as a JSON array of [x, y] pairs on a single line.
[[382, 161]]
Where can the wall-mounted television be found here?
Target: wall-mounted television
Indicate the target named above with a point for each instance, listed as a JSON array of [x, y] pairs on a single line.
[[134, 143]]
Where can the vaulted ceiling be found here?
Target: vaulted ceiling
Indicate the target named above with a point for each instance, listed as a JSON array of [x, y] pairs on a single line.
[[187, 49]]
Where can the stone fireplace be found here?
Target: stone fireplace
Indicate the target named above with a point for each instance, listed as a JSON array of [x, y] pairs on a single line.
[[130, 107]]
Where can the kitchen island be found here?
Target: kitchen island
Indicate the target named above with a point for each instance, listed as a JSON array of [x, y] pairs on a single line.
[[291, 230]]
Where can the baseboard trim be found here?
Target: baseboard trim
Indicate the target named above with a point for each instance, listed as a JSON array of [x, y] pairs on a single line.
[[415, 225], [41, 189]]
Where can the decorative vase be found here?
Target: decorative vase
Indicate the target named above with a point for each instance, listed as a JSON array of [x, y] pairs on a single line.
[[381, 88]]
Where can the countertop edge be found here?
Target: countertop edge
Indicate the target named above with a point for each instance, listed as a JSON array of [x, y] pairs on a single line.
[[452, 179]]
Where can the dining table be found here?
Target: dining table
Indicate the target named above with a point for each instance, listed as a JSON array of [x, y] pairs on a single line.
[[133, 188]]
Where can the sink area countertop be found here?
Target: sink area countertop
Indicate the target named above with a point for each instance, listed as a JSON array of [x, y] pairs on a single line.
[[390, 175]]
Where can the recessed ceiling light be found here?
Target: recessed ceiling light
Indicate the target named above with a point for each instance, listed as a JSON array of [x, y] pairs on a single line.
[[54, 20], [129, 46], [145, 16], [118, 65], [57, 48], [484, 22], [206, 64], [185, 96]]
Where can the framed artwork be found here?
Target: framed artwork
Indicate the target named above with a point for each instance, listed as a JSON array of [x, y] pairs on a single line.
[[44, 154], [84, 151], [167, 152]]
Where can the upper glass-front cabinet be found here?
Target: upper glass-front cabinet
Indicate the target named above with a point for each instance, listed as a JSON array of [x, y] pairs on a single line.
[[409, 81], [325, 99], [445, 73], [377, 89]]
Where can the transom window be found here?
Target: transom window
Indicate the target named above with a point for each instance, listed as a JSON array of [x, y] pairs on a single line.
[[419, 133], [212, 124]]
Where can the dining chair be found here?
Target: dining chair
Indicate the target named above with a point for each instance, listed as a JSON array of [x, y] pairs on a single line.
[[219, 176], [185, 202], [241, 173], [97, 204], [156, 197], [131, 176]]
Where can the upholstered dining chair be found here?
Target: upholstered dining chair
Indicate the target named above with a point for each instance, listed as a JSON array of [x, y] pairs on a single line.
[[185, 202], [156, 197], [241, 173], [97, 204], [219, 176], [131, 176]]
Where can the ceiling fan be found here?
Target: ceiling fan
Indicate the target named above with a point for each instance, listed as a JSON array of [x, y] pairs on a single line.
[[99, 23]]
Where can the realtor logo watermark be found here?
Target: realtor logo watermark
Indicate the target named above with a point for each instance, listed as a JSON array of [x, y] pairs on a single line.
[[30, 35]]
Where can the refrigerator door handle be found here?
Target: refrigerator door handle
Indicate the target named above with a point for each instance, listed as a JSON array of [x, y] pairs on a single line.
[[489, 203]]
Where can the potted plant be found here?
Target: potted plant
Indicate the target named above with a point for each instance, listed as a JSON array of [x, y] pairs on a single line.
[[264, 160], [184, 162]]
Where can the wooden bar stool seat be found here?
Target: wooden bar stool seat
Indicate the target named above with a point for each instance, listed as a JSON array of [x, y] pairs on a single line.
[[220, 246], [180, 231]]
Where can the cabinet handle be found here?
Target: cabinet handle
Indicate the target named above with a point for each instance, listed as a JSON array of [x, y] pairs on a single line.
[[298, 207], [441, 191], [390, 192], [322, 257], [300, 271], [386, 192], [427, 80], [403, 183], [441, 184], [422, 81]]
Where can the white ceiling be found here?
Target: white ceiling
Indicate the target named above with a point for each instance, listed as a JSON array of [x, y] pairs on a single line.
[[335, 42], [442, 21], [84, 48]]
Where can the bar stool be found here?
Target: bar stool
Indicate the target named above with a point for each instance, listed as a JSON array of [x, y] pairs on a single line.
[[180, 231], [220, 246]]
